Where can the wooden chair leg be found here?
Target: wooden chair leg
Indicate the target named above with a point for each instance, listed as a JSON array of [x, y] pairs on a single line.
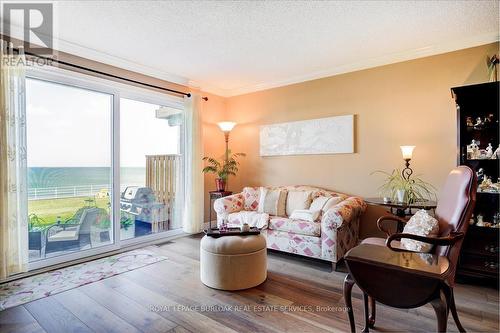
[[348, 284], [367, 313], [441, 308], [371, 319], [450, 298]]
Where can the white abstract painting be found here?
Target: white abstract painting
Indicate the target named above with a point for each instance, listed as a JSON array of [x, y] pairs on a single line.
[[332, 135]]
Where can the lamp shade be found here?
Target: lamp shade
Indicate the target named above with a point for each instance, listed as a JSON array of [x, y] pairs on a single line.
[[407, 152], [226, 126]]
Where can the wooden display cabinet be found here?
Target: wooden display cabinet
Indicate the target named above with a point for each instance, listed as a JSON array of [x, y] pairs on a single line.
[[479, 256]]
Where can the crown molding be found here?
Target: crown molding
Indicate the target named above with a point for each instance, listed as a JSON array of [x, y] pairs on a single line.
[[371, 63], [207, 87], [103, 57], [112, 60]]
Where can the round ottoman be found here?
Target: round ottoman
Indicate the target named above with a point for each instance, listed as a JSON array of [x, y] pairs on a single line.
[[233, 262]]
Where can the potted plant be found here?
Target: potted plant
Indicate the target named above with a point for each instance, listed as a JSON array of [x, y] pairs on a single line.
[[408, 191], [492, 63], [227, 166]]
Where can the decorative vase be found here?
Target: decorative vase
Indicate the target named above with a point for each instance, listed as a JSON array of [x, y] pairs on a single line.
[[400, 195], [220, 184]]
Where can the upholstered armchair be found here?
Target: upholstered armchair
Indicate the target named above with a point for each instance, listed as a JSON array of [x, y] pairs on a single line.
[[415, 278]]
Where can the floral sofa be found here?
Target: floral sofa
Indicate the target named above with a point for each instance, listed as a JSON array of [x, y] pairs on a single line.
[[327, 238]]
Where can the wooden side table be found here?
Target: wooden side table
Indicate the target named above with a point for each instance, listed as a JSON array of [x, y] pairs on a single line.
[[213, 196], [401, 209]]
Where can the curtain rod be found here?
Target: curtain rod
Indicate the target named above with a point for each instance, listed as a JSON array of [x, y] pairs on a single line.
[[107, 74]]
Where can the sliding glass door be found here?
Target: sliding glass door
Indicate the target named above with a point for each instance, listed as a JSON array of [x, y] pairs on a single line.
[[69, 168], [105, 165], [150, 168]]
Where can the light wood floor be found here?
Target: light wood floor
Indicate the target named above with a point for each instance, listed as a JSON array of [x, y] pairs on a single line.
[[300, 295]]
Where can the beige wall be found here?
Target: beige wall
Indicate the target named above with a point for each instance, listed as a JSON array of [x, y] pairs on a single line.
[[404, 103], [213, 139]]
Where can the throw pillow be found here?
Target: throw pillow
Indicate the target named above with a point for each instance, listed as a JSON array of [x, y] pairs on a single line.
[[305, 215], [272, 202], [318, 203], [251, 198], [331, 202], [297, 200], [262, 198], [421, 224]]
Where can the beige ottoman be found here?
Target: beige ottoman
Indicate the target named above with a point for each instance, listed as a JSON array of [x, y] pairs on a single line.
[[233, 262]]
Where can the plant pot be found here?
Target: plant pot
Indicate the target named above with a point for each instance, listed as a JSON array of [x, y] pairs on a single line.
[[104, 236], [401, 195], [220, 184]]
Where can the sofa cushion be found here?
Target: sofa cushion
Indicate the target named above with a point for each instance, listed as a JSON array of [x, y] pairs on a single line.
[[254, 219], [64, 235], [297, 200], [305, 215], [251, 198], [299, 227], [304, 245], [272, 202]]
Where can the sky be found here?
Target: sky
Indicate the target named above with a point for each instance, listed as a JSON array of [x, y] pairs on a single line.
[[71, 127]]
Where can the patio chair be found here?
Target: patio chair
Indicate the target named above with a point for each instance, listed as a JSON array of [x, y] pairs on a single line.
[[71, 236]]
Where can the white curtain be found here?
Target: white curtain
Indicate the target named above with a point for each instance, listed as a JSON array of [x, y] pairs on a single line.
[[13, 169], [194, 194]]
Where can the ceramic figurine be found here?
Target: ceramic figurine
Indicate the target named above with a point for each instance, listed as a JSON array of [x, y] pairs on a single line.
[[480, 175], [469, 122], [489, 119], [480, 222], [486, 183], [489, 150], [479, 122], [473, 152], [496, 154]]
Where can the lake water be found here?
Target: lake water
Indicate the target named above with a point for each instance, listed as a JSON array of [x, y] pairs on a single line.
[[61, 177]]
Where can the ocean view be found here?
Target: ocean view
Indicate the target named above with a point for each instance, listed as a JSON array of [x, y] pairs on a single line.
[[43, 177]]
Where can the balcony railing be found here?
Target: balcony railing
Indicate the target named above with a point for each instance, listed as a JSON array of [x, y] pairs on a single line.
[[39, 193]]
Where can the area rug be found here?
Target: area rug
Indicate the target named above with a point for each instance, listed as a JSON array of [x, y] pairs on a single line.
[[51, 283]]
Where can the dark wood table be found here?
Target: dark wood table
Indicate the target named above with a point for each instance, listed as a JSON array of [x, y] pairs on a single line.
[[401, 209], [213, 196], [398, 279]]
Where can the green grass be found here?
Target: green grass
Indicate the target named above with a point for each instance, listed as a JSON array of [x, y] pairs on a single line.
[[49, 209]]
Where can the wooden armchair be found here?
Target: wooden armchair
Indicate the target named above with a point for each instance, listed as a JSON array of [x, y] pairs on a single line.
[[415, 278]]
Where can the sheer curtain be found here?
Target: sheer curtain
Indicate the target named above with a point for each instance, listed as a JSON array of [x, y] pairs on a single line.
[[13, 169], [194, 194]]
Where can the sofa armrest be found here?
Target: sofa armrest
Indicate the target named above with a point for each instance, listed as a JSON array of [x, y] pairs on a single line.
[[344, 212], [339, 228], [230, 204]]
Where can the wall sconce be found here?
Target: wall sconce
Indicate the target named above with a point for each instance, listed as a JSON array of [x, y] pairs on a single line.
[[407, 152]]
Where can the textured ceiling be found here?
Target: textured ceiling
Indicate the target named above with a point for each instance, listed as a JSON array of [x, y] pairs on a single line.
[[231, 48]]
